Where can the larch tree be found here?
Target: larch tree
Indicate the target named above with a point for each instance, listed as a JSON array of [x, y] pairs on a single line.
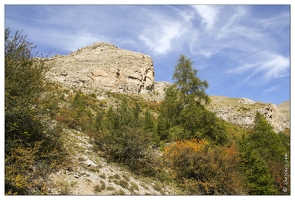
[[183, 114]]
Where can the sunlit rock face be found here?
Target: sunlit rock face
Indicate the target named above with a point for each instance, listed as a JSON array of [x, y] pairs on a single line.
[[242, 111], [103, 66]]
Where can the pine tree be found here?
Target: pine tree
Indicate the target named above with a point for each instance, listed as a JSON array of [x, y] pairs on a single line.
[[258, 179], [183, 114], [266, 142], [190, 87], [268, 146]]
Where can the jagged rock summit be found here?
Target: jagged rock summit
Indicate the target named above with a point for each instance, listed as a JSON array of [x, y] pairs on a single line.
[[103, 66]]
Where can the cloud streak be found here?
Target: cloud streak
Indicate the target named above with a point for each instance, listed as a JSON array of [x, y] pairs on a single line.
[[208, 15], [272, 89], [161, 38], [269, 66]]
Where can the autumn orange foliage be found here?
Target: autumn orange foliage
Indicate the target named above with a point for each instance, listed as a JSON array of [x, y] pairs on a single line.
[[204, 169]]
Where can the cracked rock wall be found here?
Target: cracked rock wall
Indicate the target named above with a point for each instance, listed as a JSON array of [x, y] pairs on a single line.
[[103, 66]]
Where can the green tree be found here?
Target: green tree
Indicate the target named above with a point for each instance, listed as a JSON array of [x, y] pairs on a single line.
[[263, 158], [122, 115], [190, 87], [78, 102], [269, 146], [266, 142], [32, 148], [136, 111], [182, 113], [127, 144], [126, 114], [126, 136], [258, 179], [149, 124], [169, 113], [82, 116], [24, 77]]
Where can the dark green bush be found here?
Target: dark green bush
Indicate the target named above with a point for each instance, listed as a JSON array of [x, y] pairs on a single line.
[[125, 144]]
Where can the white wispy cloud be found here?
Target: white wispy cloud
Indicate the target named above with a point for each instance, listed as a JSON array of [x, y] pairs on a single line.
[[276, 66], [272, 88], [269, 66], [228, 24], [233, 28], [221, 32], [65, 40], [208, 14], [161, 38], [161, 31]]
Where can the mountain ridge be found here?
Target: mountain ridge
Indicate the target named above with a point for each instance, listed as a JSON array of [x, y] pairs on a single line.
[[103, 66]]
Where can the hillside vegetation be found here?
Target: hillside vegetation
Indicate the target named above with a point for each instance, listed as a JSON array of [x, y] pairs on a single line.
[[63, 141]]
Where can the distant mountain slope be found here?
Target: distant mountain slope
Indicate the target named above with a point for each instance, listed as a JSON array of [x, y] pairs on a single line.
[[242, 111]]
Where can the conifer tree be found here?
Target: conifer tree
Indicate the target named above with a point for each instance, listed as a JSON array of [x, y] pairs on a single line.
[[266, 142], [183, 114], [190, 87], [268, 146], [258, 179]]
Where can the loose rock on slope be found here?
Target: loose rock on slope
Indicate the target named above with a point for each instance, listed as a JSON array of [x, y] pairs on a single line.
[[92, 174]]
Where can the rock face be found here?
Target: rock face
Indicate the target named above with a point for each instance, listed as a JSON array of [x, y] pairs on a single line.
[[242, 111], [246, 101], [103, 66], [160, 88]]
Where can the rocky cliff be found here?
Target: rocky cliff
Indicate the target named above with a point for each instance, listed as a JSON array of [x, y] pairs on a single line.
[[242, 111], [103, 66]]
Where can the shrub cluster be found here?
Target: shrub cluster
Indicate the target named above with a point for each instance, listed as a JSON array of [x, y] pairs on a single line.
[[32, 148], [204, 169], [126, 134]]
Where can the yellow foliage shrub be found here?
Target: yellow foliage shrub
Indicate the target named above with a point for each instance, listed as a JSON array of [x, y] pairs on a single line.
[[210, 169]]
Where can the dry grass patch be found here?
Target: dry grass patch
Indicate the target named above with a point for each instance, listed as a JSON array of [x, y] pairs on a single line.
[[103, 176], [119, 192], [116, 176], [94, 169], [110, 188], [158, 186], [133, 186], [124, 184], [100, 187], [126, 177]]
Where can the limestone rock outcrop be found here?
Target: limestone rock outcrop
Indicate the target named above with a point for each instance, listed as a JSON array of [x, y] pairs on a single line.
[[103, 66], [242, 111]]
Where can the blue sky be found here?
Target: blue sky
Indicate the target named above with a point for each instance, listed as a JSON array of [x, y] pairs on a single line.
[[241, 50]]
